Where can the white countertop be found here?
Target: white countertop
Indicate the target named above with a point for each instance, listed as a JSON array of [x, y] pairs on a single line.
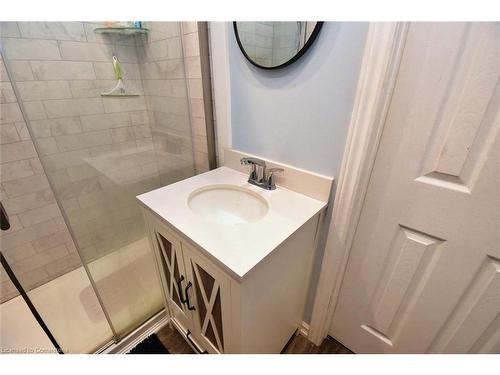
[[238, 247]]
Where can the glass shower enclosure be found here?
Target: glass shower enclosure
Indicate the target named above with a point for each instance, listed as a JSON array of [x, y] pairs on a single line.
[[74, 156]]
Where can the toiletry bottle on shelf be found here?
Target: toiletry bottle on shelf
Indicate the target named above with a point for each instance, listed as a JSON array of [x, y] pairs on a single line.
[[138, 24]]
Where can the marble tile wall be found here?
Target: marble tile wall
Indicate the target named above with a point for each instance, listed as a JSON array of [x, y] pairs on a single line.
[[38, 245], [161, 62], [212, 87], [195, 94], [6, 285], [98, 152]]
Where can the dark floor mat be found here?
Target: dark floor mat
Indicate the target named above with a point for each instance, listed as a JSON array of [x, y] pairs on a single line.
[[151, 345]]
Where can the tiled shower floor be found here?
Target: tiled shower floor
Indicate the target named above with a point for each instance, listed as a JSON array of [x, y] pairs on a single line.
[[128, 286]]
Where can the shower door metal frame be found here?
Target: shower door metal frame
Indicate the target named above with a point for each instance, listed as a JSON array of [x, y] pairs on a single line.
[[13, 278]]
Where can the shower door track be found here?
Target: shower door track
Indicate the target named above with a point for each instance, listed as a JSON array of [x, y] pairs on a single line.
[[128, 342]]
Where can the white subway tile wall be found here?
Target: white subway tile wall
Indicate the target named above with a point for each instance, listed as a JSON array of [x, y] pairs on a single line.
[[99, 153], [38, 244], [195, 93], [165, 88]]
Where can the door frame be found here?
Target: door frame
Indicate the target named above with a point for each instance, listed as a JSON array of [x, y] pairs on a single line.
[[383, 50]]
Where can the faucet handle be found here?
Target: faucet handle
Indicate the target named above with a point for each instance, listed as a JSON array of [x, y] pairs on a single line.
[[254, 161], [258, 168], [270, 185]]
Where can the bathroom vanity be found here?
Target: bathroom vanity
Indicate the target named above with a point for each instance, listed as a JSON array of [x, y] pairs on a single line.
[[233, 259]]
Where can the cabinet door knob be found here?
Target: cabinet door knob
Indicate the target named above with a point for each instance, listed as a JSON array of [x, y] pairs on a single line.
[[190, 284]]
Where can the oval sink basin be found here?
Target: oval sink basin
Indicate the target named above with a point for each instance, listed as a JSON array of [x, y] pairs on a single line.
[[228, 204]]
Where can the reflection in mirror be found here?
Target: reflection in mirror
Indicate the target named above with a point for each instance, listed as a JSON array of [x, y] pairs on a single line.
[[275, 44]]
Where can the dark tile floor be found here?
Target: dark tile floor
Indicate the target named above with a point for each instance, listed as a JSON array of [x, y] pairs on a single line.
[[300, 345], [173, 341], [176, 344]]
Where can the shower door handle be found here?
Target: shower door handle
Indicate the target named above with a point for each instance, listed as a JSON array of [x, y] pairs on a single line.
[[4, 218]]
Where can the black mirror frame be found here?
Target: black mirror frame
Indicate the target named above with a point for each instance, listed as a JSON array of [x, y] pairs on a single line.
[[303, 50]]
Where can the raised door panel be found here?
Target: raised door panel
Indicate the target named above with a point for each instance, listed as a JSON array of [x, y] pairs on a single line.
[[173, 273], [423, 271], [410, 261], [474, 325], [211, 299], [466, 124]]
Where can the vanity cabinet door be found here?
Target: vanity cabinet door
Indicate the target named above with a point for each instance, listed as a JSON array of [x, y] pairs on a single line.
[[173, 273], [210, 296]]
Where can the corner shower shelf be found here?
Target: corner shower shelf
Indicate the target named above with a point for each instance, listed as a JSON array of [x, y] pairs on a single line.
[[121, 30]]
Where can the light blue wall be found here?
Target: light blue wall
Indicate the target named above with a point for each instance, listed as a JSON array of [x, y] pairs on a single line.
[[299, 114]]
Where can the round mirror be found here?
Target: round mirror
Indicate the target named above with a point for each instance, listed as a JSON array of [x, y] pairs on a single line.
[[272, 45]]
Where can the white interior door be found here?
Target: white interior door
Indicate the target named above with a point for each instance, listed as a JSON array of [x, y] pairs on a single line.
[[424, 270]]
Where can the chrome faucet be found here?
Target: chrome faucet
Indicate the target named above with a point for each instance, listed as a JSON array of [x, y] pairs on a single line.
[[259, 176]]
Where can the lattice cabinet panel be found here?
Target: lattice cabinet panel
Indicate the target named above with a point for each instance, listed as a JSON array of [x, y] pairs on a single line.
[[211, 295], [171, 261]]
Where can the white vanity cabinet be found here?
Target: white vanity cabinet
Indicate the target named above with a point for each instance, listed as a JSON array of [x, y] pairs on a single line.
[[221, 313], [197, 293], [234, 259]]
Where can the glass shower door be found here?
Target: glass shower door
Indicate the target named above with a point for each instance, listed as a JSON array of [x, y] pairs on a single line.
[[100, 152], [37, 245]]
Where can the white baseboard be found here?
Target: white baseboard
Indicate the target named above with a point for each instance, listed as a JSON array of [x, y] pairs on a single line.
[[304, 329]]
